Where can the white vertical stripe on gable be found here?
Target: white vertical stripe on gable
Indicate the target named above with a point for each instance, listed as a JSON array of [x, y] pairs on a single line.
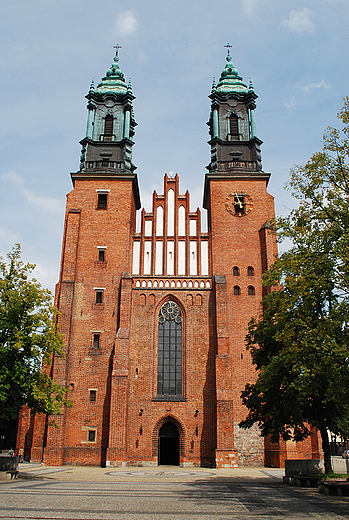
[[204, 258], [159, 221], [181, 221], [192, 259], [148, 228], [136, 257], [147, 257], [192, 228], [158, 257], [181, 257], [170, 213], [170, 257]]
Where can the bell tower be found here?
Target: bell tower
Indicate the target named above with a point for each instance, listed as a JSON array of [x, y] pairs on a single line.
[[234, 143], [242, 248], [107, 148], [100, 221]]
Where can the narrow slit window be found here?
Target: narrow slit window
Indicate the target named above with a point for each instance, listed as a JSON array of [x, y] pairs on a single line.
[[91, 436], [102, 200], [101, 255], [96, 340], [93, 395], [99, 296]]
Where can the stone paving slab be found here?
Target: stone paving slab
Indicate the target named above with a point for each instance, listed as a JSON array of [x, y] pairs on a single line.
[[171, 473], [199, 500]]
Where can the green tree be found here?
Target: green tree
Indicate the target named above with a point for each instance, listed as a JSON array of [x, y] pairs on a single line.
[[300, 344], [28, 340]]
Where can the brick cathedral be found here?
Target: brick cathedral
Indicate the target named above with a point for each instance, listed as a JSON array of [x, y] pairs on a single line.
[[154, 321]]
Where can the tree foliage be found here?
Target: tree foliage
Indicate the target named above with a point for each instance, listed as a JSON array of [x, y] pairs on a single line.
[[300, 345], [28, 339]]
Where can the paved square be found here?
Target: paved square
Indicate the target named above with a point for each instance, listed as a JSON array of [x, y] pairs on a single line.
[[167, 494]]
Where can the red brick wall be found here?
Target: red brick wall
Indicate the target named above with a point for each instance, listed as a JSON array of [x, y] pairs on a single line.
[[126, 416], [236, 242]]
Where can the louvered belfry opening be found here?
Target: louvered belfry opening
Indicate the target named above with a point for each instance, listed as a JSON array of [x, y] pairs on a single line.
[[234, 127], [108, 127]]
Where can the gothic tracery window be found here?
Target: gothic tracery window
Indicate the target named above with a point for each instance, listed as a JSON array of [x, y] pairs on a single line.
[[170, 350]]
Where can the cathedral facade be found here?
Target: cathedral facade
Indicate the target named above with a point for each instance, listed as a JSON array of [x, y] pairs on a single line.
[[155, 321]]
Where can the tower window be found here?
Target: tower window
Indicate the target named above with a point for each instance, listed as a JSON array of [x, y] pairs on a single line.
[[236, 271], [108, 128], [237, 290], [170, 350], [93, 394], [91, 436], [251, 290], [96, 340], [234, 127], [101, 255], [99, 296], [250, 271], [102, 200]]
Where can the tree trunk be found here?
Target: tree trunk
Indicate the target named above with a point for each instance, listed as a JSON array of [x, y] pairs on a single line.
[[326, 449]]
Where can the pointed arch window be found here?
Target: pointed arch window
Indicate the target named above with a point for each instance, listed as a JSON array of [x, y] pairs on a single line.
[[170, 351], [234, 127]]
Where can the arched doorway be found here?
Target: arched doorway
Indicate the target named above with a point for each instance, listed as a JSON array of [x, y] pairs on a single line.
[[168, 445]]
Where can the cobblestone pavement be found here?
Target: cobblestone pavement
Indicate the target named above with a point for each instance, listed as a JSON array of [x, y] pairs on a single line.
[[161, 493]]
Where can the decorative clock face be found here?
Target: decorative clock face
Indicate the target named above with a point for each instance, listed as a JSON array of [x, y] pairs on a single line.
[[238, 203]]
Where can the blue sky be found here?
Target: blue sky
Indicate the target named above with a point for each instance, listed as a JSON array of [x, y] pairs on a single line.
[[295, 51]]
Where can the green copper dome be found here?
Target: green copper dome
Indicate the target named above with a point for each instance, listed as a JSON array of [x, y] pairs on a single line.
[[230, 81], [114, 81]]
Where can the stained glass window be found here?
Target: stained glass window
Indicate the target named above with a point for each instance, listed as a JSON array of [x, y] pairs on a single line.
[[170, 350]]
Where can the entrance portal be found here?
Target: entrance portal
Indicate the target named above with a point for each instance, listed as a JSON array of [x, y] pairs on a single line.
[[168, 445]]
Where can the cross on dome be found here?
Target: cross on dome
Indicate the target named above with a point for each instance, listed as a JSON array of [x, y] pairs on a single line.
[[228, 46], [117, 47]]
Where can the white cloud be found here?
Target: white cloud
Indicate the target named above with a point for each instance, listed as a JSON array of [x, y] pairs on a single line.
[[299, 21], [126, 23], [46, 203], [13, 177], [47, 277], [291, 103], [309, 86]]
